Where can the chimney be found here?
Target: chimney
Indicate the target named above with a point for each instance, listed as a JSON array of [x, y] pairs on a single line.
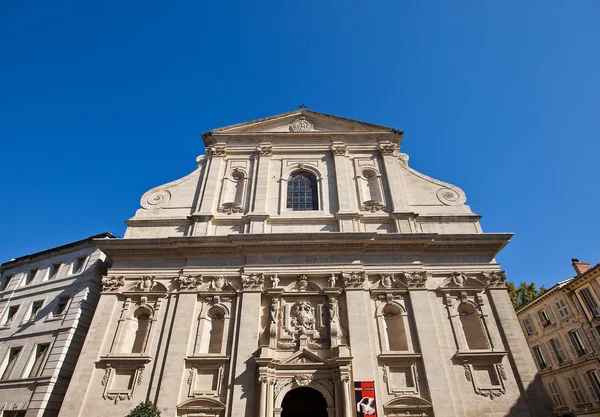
[[580, 267]]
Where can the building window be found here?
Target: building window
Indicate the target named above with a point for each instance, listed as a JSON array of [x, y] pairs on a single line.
[[13, 355], [528, 326], [40, 354], [545, 317], [576, 390], [561, 306], [541, 356], [557, 349], [590, 302], [30, 276], [35, 309], [5, 281], [302, 192], [593, 380], [54, 268], [61, 306], [555, 394], [579, 343], [10, 315], [78, 264], [472, 328]]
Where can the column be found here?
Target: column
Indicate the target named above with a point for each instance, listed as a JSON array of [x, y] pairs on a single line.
[[433, 359], [348, 404], [244, 366], [258, 216], [208, 198], [519, 355], [262, 406], [388, 152]]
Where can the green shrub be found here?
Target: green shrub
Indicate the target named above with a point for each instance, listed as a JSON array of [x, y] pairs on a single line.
[[147, 409]]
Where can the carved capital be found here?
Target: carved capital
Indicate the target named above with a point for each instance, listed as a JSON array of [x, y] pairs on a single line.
[[216, 150], [112, 283], [494, 279], [338, 149], [264, 150], [390, 149], [414, 279], [190, 282], [354, 279], [253, 281]]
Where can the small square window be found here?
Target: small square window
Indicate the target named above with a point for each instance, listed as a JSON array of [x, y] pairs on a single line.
[[30, 276], [5, 281], [61, 306], [10, 315], [54, 268], [79, 264]]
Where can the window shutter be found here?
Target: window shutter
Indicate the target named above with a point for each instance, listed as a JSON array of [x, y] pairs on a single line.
[[571, 345], [560, 349], [589, 384], [535, 358], [550, 314], [545, 355], [596, 335], [585, 341], [539, 320]]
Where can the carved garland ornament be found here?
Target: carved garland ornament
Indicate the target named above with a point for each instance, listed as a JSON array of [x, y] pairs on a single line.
[[414, 279], [354, 279], [494, 279], [112, 283], [230, 208], [253, 281], [190, 282]]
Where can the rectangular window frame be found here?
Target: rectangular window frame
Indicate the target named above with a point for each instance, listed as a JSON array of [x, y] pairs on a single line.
[[590, 301], [11, 359], [5, 282], [562, 308], [79, 264], [576, 391], [54, 270], [37, 362], [555, 394], [541, 357], [9, 318], [579, 343], [558, 350], [528, 324]]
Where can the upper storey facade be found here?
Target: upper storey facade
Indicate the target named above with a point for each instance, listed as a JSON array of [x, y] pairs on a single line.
[[302, 171]]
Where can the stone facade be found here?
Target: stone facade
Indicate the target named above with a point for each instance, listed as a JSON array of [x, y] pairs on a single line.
[[562, 329], [303, 258], [47, 301]]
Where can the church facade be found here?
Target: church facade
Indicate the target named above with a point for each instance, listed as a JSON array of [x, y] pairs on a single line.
[[304, 267]]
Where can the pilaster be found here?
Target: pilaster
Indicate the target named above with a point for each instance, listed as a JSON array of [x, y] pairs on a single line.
[[389, 153]]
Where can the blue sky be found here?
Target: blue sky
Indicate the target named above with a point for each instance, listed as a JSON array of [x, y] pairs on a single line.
[[100, 102]]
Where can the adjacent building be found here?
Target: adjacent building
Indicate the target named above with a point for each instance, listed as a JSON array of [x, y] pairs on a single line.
[[562, 329], [47, 300], [304, 268]]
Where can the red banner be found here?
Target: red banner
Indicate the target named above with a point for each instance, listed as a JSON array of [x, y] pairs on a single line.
[[364, 394]]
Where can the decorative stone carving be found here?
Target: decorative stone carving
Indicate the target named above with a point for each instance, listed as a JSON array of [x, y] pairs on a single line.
[[230, 208], [147, 283], [155, 199], [301, 124], [287, 344], [372, 206], [388, 149], [403, 158], [216, 150], [315, 344], [190, 282], [450, 197], [354, 279], [218, 282], [501, 371], [387, 280], [191, 375], [338, 149], [303, 316], [468, 374], [106, 376], [459, 279], [264, 150], [280, 384], [303, 379], [275, 281], [112, 283], [253, 281], [140, 376], [414, 279], [494, 279], [302, 283], [331, 281], [327, 384]]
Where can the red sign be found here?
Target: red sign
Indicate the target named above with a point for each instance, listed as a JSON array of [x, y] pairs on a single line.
[[364, 394]]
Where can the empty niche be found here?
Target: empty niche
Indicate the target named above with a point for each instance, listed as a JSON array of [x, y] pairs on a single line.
[[137, 331], [401, 378], [472, 327], [233, 192], [394, 328], [211, 329], [122, 380], [485, 376], [206, 380]]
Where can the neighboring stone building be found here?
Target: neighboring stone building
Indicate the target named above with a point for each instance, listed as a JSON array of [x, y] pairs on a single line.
[[47, 300], [305, 269], [562, 329]]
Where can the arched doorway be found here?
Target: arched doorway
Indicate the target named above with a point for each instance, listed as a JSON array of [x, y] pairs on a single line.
[[304, 401]]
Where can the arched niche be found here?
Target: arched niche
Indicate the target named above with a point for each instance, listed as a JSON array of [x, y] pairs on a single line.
[[371, 189], [208, 407], [408, 405], [394, 328], [136, 330], [234, 190], [471, 326], [213, 328]]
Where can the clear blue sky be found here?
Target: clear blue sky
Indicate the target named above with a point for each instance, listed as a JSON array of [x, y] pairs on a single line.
[[100, 101]]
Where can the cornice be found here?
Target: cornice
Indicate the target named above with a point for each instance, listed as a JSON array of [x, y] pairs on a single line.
[[489, 244]]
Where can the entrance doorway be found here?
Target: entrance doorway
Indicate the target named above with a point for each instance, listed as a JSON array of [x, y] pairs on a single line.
[[304, 401]]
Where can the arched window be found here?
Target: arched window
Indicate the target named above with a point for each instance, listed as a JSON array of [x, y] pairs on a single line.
[[302, 192], [472, 328]]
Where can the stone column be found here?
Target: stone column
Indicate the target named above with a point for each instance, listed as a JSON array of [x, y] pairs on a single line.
[[389, 151], [258, 216], [262, 405], [245, 378], [433, 359], [519, 355], [208, 199], [359, 326], [185, 322], [348, 403]]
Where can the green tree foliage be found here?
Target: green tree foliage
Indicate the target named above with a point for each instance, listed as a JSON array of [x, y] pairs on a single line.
[[524, 293], [147, 409]]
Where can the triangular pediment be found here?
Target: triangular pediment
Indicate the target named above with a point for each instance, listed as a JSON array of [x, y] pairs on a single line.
[[302, 121], [461, 282], [303, 356]]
